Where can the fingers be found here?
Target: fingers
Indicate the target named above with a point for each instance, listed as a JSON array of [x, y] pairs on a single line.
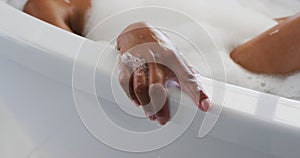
[[158, 93], [185, 75], [141, 92], [126, 81], [163, 116], [153, 117], [204, 102], [140, 87], [193, 88], [159, 101]]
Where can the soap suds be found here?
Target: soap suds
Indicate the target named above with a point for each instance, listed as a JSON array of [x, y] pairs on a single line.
[[132, 61], [229, 22]]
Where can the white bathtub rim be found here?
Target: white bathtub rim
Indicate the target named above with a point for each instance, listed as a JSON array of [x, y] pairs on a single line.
[[19, 34]]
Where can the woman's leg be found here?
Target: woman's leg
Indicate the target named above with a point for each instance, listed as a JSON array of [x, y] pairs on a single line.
[[276, 51]]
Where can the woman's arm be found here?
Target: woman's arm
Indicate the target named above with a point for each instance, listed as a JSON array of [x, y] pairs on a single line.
[[276, 51]]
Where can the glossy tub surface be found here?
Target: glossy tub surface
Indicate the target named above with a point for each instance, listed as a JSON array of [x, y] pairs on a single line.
[[39, 118]]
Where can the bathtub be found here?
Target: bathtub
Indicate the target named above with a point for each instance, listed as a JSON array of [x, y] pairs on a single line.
[[40, 115]]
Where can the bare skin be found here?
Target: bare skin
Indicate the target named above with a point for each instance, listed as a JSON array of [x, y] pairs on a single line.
[[164, 63], [68, 16], [276, 51], [141, 88]]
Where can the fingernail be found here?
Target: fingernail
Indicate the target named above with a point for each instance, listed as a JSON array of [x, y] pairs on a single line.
[[205, 104], [137, 103], [162, 120], [152, 118]]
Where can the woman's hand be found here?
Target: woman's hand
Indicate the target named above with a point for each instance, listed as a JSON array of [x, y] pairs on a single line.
[[148, 60]]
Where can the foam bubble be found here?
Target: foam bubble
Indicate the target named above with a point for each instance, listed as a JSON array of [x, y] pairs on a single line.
[[229, 22], [132, 61]]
